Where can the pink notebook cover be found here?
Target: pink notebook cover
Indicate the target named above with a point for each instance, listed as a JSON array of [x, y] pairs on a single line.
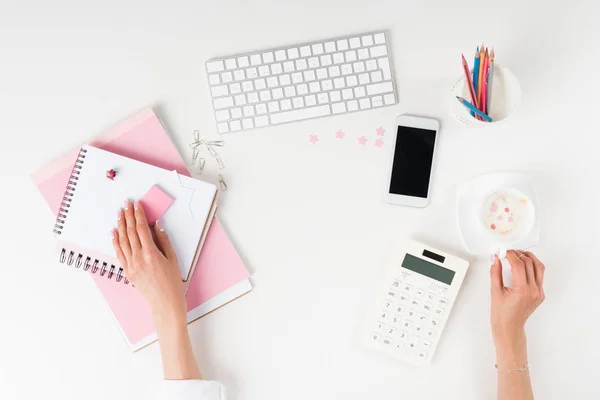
[[143, 138]]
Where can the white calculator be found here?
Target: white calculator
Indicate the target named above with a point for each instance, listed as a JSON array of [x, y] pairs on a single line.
[[414, 302]]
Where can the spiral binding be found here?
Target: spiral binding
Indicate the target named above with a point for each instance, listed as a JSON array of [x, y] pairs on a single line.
[[91, 265], [70, 190]]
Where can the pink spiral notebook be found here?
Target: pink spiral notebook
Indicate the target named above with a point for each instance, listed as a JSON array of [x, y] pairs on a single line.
[[219, 276]]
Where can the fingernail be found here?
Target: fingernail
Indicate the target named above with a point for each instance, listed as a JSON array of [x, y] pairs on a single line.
[[126, 204], [160, 226], [136, 205], [112, 234], [119, 214], [493, 259]]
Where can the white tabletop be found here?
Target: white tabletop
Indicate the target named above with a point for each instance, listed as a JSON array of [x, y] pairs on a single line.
[[310, 221]]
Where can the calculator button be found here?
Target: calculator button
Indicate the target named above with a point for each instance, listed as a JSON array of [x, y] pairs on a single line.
[[407, 325], [389, 331], [383, 316], [407, 288], [443, 302], [402, 336], [387, 341], [435, 323], [399, 309], [413, 342], [395, 285], [387, 304], [419, 292], [375, 337], [396, 320], [427, 307], [426, 344], [415, 302], [430, 296], [403, 298], [430, 334], [418, 329], [379, 327], [439, 311], [411, 314], [391, 294], [422, 355], [423, 319]]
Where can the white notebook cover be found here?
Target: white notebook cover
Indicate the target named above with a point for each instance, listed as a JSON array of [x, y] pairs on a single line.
[[95, 200]]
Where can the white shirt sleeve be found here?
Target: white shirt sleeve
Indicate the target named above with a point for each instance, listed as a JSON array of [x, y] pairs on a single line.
[[193, 390]]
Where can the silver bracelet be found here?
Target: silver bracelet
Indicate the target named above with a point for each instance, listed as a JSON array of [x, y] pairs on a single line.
[[522, 369]]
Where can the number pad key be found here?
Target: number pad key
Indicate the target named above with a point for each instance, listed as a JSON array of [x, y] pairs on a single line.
[[419, 293], [418, 330], [426, 344], [430, 334], [423, 319], [387, 341], [430, 297], [442, 302], [412, 314], [383, 316], [400, 309], [395, 320], [427, 307], [395, 285], [413, 343], [387, 305], [389, 331], [439, 312], [402, 336], [414, 302], [391, 295], [407, 325], [407, 288], [422, 354], [379, 327], [376, 337], [435, 323], [403, 298]]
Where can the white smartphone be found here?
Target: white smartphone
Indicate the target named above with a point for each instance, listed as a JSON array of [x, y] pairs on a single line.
[[412, 163]]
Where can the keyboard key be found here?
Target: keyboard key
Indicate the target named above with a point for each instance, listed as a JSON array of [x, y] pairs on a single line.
[[272, 81], [338, 108], [301, 64], [265, 95], [280, 55], [251, 73], [422, 354], [355, 43], [376, 76], [371, 65], [359, 67], [288, 66], [235, 126], [363, 79], [235, 88], [347, 94], [300, 114], [378, 51], [379, 88], [261, 121], [427, 307], [338, 58], [330, 47], [400, 309], [215, 66], [302, 89], [277, 93], [360, 92], [402, 336], [380, 38], [443, 302], [261, 108], [351, 80], [412, 314], [214, 79], [326, 60], [403, 298], [384, 65], [285, 80], [351, 56], [352, 105], [430, 333], [230, 64], [222, 115], [334, 71], [327, 84], [339, 83], [322, 73], [342, 45], [226, 77], [376, 337], [336, 95], [286, 104], [363, 54], [248, 111], [252, 97], [435, 323], [407, 288], [317, 49], [260, 84], [263, 70], [309, 75], [364, 103], [426, 344], [396, 319], [346, 69], [248, 123], [297, 77], [236, 113], [223, 127], [413, 343], [305, 51], [367, 40], [219, 91], [387, 341], [314, 87], [222, 102], [243, 62], [390, 330], [255, 59], [406, 324], [383, 316], [418, 329], [389, 99], [430, 296], [414, 302], [310, 100], [273, 106], [289, 91], [439, 311], [419, 293], [268, 58], [247, 86], [313, 62], [293, 53], [423, 319], [240, 99], [276, 68], [298, 102], [377, 101], [322, 98]]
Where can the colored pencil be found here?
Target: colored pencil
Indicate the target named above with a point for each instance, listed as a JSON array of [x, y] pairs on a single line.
[[475, 77], [469, 80], [490, 81], [480, 77], [486, 65], [474, 109]]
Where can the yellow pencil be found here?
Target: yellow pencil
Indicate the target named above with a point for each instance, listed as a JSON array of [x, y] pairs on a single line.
[[481, 76]]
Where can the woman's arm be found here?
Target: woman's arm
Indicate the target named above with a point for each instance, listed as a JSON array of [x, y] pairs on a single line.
[[155, 273], [510, 309]]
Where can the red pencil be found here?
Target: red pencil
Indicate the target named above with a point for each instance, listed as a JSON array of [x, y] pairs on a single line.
[[486, 66], [469, 81]]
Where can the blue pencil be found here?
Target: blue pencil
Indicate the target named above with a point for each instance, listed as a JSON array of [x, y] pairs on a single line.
[[474, 109], [476, 76]]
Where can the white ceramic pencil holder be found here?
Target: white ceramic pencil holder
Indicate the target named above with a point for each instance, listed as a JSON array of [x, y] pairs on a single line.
[[505, 98]]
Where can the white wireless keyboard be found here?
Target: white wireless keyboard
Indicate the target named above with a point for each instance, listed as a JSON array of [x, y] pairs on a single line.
[[294, 83], [414, 302]]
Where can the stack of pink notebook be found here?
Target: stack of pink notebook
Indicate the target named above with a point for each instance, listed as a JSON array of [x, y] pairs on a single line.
[[219, 276]]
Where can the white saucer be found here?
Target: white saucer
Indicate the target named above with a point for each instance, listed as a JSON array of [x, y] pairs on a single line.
[[471, 197]]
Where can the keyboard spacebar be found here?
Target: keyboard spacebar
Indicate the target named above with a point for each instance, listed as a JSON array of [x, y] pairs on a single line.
[[297, 115]]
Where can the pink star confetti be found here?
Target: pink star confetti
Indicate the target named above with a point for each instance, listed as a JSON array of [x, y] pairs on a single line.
[[340, 134], [313, 139], [362, 140], [378, 143], [380, 131]]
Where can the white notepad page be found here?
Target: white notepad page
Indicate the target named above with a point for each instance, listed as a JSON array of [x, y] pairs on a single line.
[[96, 199]]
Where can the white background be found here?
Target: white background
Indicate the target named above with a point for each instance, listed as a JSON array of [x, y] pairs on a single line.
[[310, 220]]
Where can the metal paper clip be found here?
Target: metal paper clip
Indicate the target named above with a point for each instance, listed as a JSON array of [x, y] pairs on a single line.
[[196, 136], [222, 183], [216, 156], [195, 155], [201, 164]]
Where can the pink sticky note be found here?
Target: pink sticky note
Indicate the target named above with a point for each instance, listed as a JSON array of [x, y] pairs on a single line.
[[155, 203]]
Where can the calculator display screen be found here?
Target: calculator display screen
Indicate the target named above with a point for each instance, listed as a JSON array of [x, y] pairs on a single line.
[[428, 269]]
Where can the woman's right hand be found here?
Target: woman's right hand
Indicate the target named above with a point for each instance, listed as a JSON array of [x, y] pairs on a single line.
[[511, 307]]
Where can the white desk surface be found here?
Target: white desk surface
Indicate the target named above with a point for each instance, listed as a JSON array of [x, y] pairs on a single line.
[[310, 220]]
